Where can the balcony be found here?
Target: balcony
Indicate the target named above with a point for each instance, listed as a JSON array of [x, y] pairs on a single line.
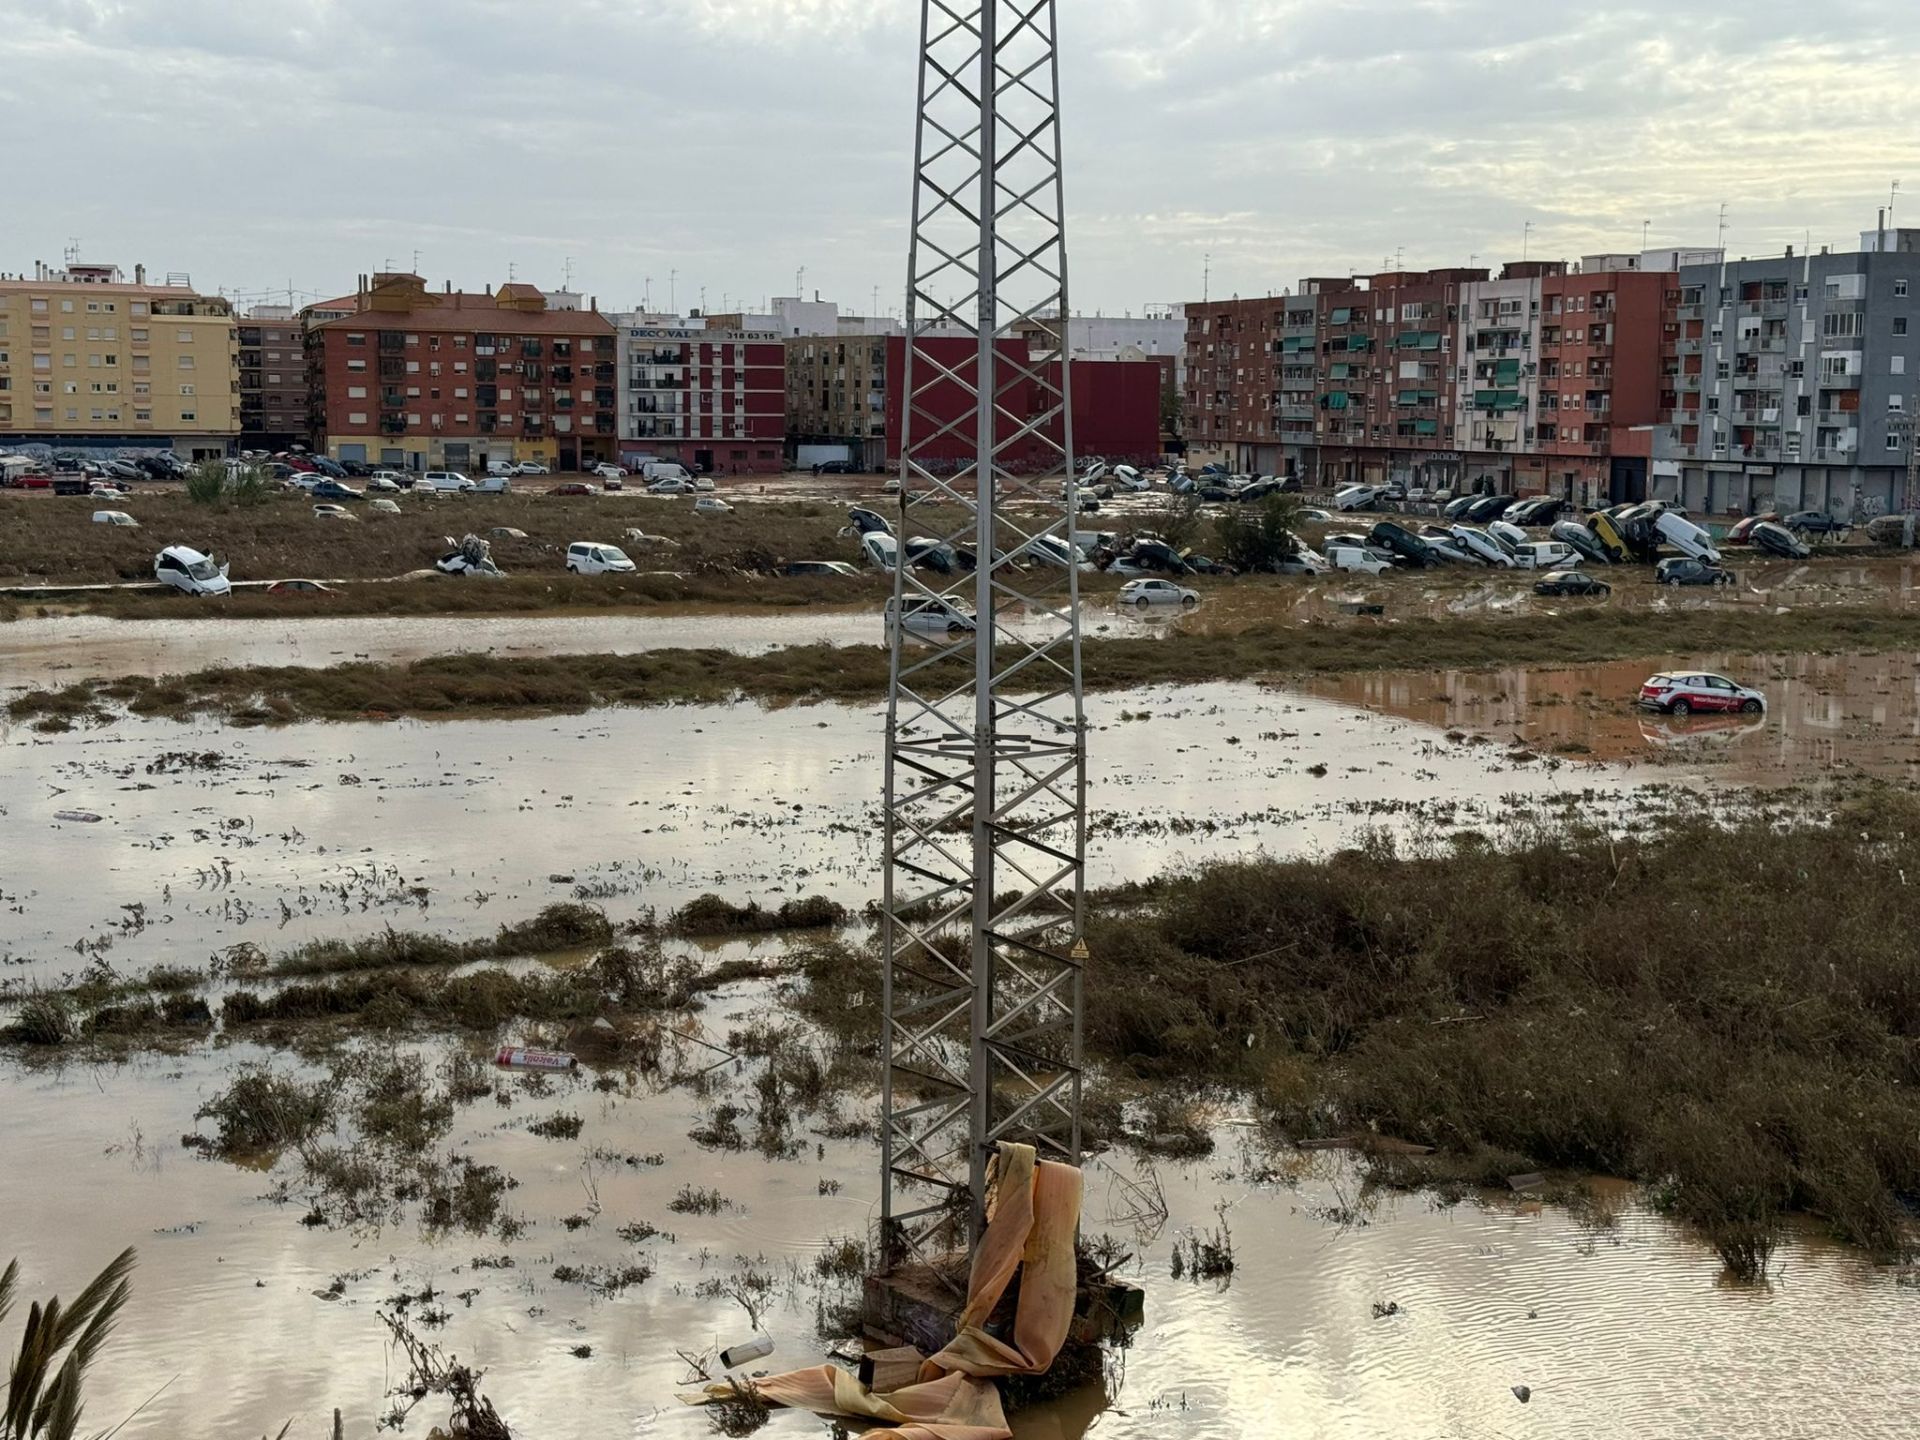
[[1843, 453], [1687, 382], [392, 342], [1692, 312], [1839, 382], [1690, 347]]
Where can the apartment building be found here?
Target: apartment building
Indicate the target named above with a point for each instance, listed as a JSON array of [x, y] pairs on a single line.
[[1562, 377], [429, 380], [1796, 379], [273, 378], [1386, 395], [90, 361], [712, 399], [837, 400]]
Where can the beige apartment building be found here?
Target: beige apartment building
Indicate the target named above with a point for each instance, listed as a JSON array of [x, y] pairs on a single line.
[[836, 399], [91, 362]]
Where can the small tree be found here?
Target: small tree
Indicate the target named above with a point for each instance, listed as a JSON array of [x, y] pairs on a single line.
[[213, 482], [1177, 521], [1259, 537]]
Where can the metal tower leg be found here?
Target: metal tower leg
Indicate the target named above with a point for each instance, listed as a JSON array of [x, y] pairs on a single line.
[[985, 760]]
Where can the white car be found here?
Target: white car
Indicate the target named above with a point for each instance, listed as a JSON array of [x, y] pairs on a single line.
[[672, 485], [928, 616], [1355, 497], [1314, 516], [382, 484], [881, 549], [383, 507], [1132, 479], [584, 557], [187, 569], [530, 467], [1156, 592], [333, 512], [711, 505], [1482, 547], [115, 517], [395, 479], [607, 470], [1052, 550], [447, 480], [107, 492], [701, 482]]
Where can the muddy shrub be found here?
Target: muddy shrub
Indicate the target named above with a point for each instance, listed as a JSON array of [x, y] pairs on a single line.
[[711, 915], [463, 1195], [263, 1111], [1729, 1013], [43, 1020], [394, 1104], [566, 926]]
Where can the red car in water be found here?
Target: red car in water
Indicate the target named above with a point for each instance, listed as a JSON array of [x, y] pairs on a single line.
[[1699, 692]]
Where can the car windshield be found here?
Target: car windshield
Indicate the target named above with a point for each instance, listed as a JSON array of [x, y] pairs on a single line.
[[203, 569]]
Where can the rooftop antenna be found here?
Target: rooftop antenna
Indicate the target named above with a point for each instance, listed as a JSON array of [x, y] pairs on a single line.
[[1722, 240], [982, 987], [800, 283], [566, 274], [1645, 226], [510, 272], [673, 291], [1893, 198], [1526, 241], [1206, 278], [72, 252], [416, 259], [646, 294]]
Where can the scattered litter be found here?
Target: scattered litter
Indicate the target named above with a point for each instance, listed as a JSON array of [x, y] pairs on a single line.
[[1383, 1311], [79, 817], [1532, 1180], [1522, 1394], [517, 1058], [757, 1348], [560, 879]]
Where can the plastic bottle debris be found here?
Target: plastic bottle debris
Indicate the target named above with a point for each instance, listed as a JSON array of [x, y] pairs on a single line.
[[757, 1348], [517, 1058], [79, 817]]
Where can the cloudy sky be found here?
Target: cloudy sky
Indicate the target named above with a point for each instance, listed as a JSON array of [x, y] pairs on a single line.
[[262, 144]]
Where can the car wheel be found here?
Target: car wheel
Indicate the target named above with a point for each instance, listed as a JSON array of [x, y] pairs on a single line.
[[955, 628], [1680, 707], [1675, 582], [1142, 602], [1750, 707], [1189, 599]]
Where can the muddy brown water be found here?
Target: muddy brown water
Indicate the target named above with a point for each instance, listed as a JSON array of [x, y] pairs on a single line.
[[1618, 1324], [208, 836]]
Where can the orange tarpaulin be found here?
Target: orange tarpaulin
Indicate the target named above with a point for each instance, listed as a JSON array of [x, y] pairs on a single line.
[[1030, 1230]]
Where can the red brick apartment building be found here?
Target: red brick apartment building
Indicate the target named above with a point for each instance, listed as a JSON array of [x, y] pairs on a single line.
[[1115, 405], [1540, 380], [426, 380]]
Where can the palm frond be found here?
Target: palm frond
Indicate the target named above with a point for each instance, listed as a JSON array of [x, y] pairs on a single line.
[[96, 1294], [8, 1279]]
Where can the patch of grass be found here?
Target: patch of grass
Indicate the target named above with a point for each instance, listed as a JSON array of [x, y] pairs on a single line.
[[693, 1201], [1528, 1001], [841, 1258], [603, 1279], [262, 1111], [482, 686], [563, 1126], [711, 915]]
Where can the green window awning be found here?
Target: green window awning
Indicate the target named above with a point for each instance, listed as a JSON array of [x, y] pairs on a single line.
[[1340, 317], [1418, 340], [1506, 370], [1506, 400], [1416, 397], [1485, 398], [1426, 427], [1359, 342], [1336, 401], [1338, 372], [1296, 343]]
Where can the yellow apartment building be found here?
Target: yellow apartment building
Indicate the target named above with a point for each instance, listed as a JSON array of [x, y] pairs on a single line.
[[89, 361]]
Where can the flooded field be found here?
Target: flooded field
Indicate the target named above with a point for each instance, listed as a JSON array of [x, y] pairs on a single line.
[[625, 1221], [1616, 1323], [208, 836]]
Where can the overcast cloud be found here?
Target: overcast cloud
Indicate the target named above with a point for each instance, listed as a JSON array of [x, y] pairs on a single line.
[[268, 143]]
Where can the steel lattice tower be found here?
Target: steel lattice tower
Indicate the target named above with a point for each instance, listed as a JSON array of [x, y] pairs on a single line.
[[985, 760]]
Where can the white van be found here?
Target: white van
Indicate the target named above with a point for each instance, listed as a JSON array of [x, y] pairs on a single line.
[[584, 557], [1546, 555], [447, 480], [665, 470], [499, 467], [1686, 537], [185, 568], [1356, 559], [494, 485]]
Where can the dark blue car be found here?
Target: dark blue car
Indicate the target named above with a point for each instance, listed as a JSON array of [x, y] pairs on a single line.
[[334, 490]]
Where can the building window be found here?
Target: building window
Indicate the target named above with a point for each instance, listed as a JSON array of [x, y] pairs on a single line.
[[356, 339], [39, 307], [187, 417], [186, 389], [186, 362], [1899, 289], [185, 337], [138, 307], [356, 392], [356, 364], [139, 337], [1899, 324], [1899, 365], [1893, 440], [66, 332], [357, 417]]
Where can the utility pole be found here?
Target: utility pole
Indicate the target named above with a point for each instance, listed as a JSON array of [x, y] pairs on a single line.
[[985, 814]]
